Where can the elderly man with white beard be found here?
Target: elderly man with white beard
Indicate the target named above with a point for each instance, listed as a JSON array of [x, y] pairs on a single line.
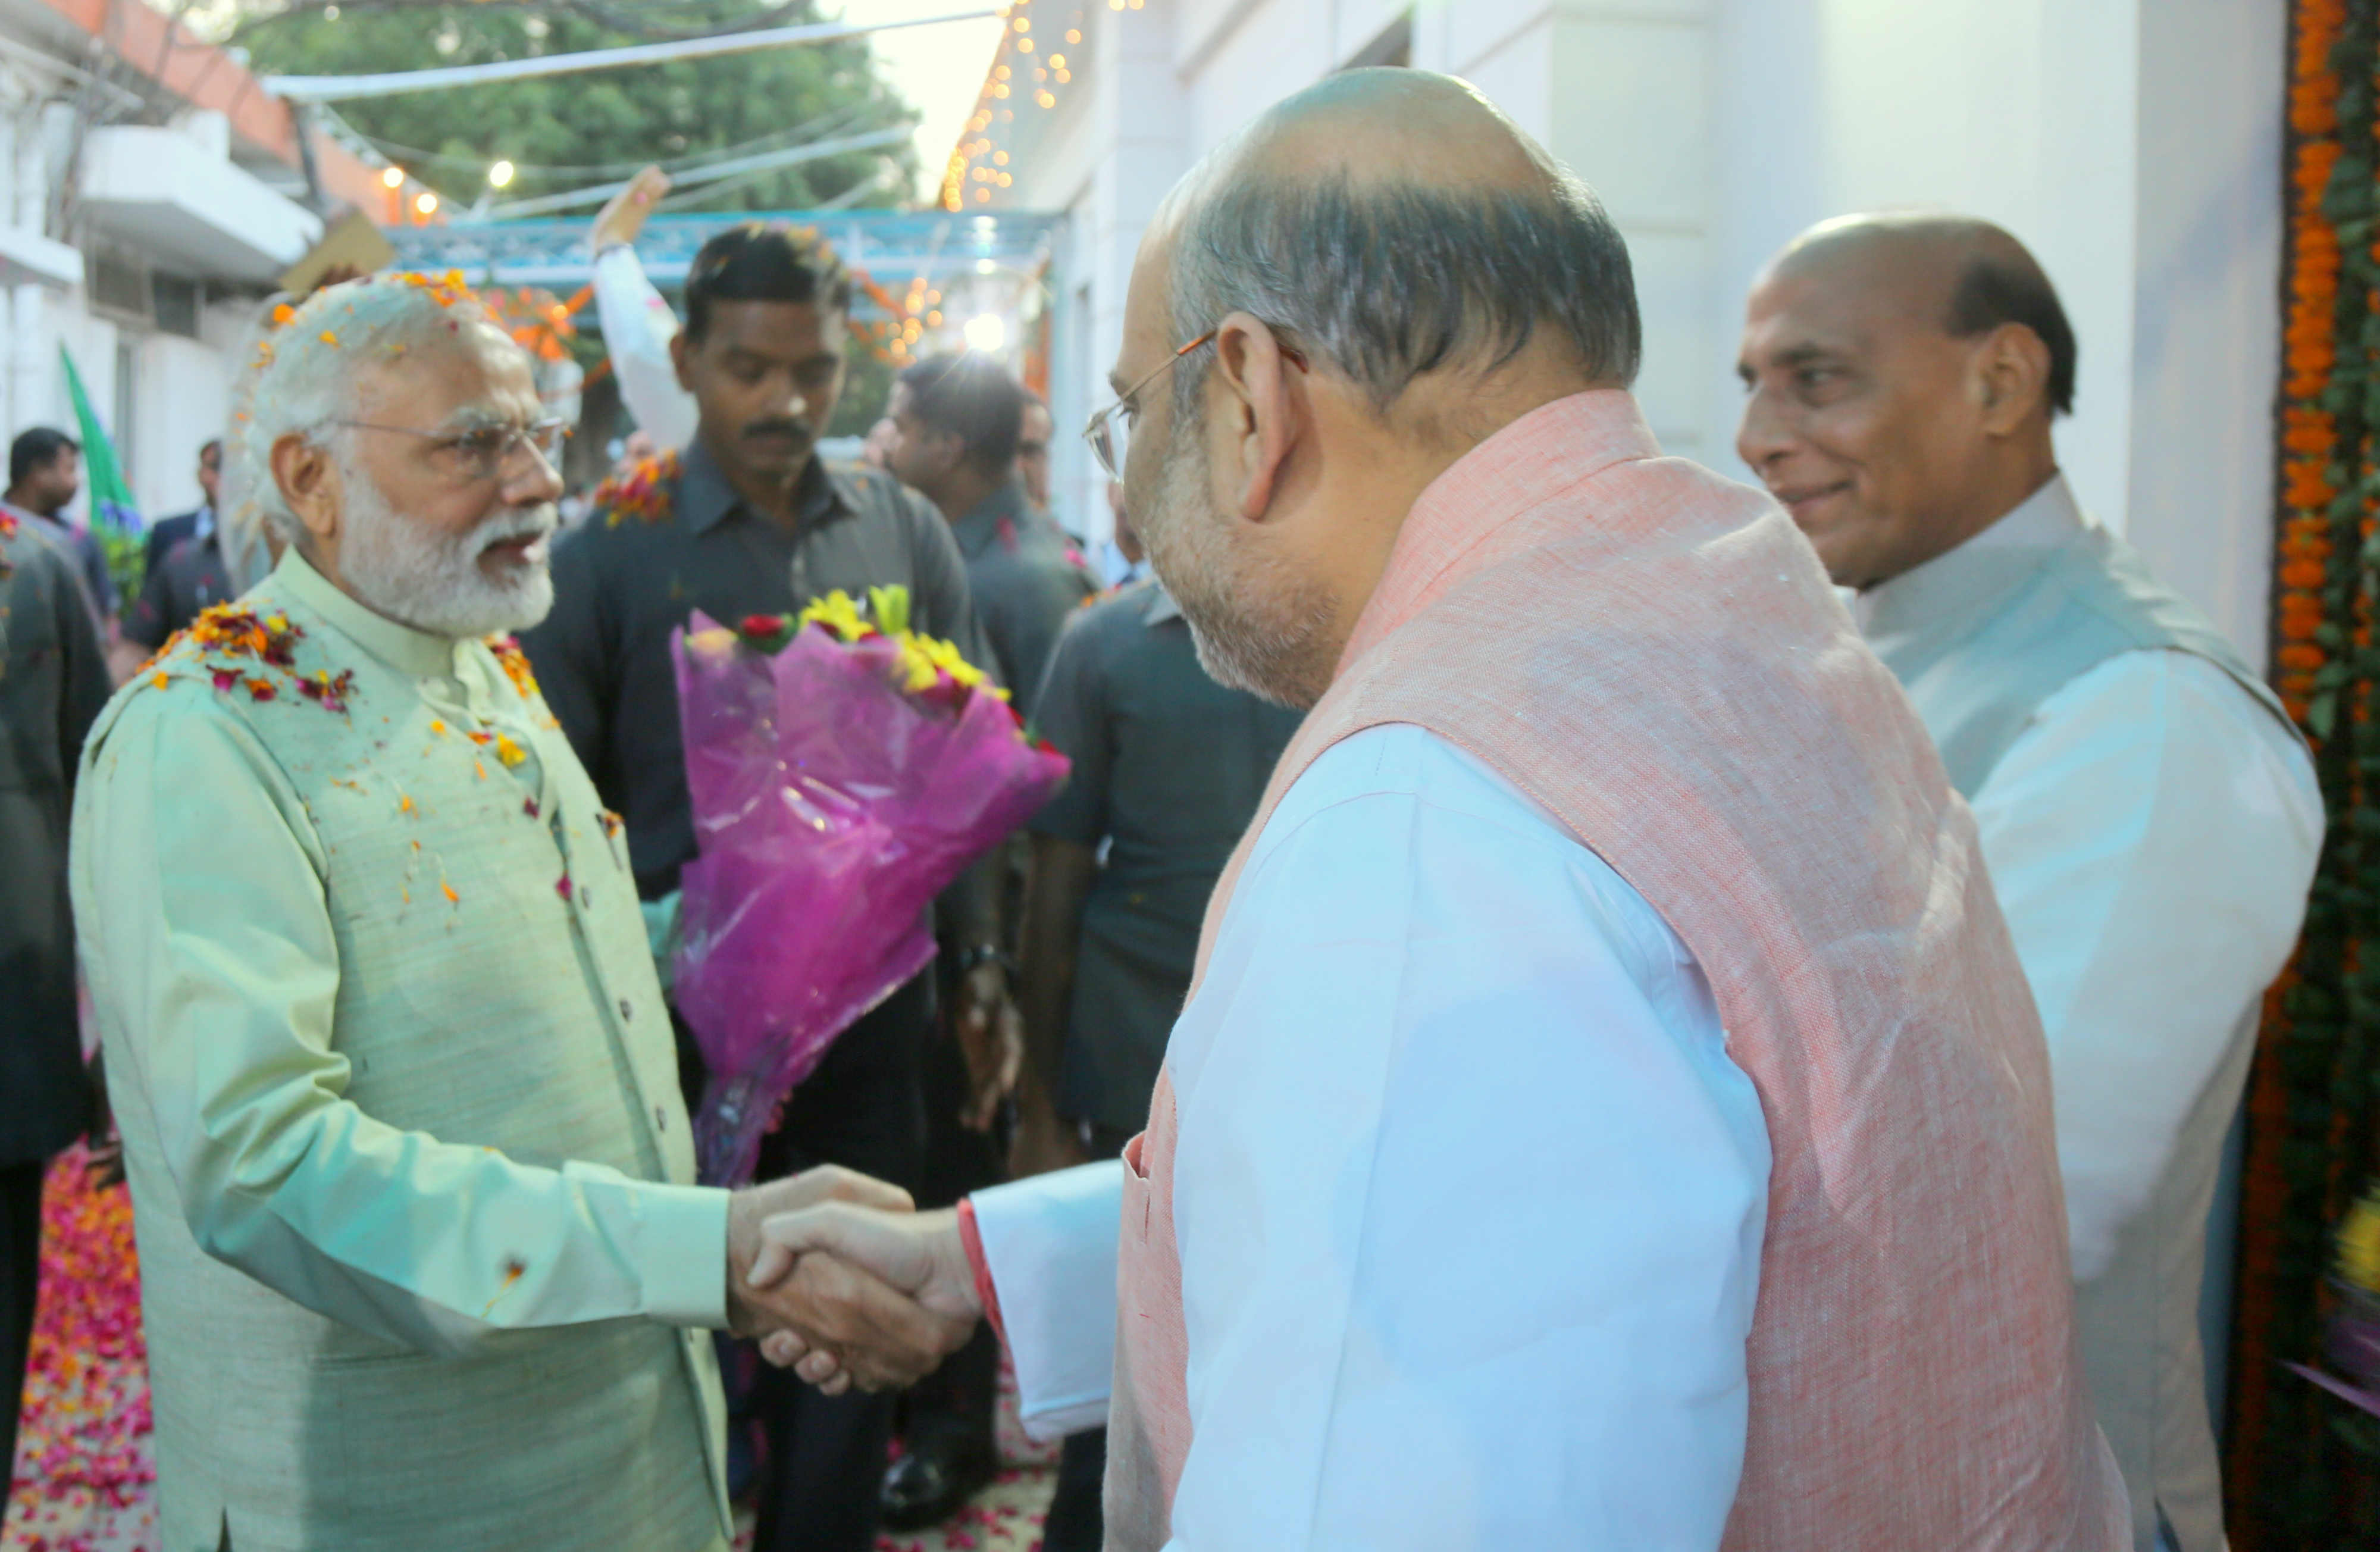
[[422, 1261]]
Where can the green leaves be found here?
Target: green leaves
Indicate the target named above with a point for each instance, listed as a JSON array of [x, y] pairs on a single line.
[[570, 131]]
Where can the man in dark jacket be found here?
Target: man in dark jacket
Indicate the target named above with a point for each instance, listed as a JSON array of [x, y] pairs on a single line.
[[197, 523], [53, 683]]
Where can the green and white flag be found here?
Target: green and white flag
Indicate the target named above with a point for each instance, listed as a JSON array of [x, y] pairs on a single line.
[[112, 510]]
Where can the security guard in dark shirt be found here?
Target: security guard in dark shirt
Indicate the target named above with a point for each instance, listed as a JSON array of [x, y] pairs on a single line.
[[747, 520], [957, 420], [54, 682]]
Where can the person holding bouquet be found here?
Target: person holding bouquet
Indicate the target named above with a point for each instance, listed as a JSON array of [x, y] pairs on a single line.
[[745, 520]]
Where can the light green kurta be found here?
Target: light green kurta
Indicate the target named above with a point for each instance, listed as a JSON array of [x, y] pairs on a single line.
[[423, 1262]]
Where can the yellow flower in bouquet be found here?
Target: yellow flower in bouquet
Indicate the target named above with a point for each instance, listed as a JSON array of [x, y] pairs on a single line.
[[2358, 1244], [838, 613], [924, 659]]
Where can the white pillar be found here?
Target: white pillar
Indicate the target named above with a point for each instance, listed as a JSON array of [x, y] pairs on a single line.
[[1622, 94]]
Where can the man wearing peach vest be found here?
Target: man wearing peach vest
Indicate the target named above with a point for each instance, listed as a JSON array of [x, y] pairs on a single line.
[[1609, 1112]]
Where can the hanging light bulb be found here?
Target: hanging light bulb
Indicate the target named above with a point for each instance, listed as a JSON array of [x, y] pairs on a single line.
[[426, 202], [392, 178], [501, 175]]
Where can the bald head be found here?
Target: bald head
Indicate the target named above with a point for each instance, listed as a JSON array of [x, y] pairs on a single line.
[[1901, 373], [1380, 127], [1962, 275], [1395, 224]]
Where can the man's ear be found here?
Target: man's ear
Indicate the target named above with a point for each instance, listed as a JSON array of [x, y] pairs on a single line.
[[680, 353], [2010, 368], [308, 480], [1262, 394]]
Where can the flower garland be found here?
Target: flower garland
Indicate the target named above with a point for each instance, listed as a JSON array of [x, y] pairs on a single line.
[[643, 492], [7, 532], [2304, 1467]]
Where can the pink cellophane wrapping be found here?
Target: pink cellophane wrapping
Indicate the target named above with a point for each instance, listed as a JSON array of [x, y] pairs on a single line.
[[829, 809]]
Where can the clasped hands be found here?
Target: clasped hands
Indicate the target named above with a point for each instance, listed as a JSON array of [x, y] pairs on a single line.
[[845, 1282]]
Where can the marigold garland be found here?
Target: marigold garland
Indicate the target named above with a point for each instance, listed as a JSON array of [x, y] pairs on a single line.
[[2304, 1468]]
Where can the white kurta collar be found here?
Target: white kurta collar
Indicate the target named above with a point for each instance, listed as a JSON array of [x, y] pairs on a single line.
[[2042, 521]]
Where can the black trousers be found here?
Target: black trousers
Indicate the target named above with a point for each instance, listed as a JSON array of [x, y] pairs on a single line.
[[954, 1403], [20, 1276], [861, 1109]]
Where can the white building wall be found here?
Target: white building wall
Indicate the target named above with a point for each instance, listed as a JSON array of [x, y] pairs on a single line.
[[2133, 144]]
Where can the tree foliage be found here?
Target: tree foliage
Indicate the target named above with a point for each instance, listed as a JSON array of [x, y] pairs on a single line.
[[571, 131]]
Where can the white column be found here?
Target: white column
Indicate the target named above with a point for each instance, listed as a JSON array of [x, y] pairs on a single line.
[[2205, 313], [1622, 93]]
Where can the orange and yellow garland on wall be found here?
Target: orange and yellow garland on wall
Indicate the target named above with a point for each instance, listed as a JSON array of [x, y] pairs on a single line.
[[2303, 1466]]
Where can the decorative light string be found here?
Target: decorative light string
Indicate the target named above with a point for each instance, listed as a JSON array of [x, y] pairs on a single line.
[[1026, 69]]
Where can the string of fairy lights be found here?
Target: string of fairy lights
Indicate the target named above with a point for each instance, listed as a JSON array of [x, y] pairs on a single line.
[[1023, 70]]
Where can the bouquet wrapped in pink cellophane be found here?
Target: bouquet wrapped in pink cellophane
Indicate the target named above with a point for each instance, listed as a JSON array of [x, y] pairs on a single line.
[[842, 776]]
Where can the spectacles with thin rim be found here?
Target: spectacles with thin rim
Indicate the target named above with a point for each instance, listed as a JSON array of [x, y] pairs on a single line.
[[1110, 430], [485, 451]]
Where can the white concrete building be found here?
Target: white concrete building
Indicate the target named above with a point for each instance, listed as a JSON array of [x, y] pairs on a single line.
[[150, 194], [2133, 145]]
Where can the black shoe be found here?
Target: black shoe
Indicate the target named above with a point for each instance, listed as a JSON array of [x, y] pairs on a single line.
[[930, 1483]]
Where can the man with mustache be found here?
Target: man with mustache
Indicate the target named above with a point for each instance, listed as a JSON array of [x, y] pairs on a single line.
[[422, 1260], [2150, 818], [747, 519], [1607, 1111]]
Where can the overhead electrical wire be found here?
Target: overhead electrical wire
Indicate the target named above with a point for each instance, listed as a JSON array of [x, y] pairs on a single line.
[[328, 89], [415, 156]]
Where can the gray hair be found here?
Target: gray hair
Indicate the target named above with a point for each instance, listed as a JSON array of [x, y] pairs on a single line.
[[304, 378], [1386, 283]]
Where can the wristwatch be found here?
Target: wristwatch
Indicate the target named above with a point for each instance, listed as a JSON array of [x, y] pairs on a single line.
[[981, 953]]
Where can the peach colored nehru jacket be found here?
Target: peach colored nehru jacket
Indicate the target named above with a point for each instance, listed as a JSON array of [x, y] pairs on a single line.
[[1654, 655]]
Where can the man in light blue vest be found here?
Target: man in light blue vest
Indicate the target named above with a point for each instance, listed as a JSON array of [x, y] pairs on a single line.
[[422, 1260], [2148, 814]]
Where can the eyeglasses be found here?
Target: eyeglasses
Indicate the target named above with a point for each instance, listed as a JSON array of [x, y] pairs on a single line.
[[1110, 430], [484, 453]]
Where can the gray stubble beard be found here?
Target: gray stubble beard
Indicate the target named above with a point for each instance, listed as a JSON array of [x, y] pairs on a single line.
[[1255, 628]]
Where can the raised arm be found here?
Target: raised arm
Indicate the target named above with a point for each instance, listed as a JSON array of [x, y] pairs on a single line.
[[638, 324]]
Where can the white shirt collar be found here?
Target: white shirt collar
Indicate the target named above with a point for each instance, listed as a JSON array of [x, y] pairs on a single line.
[[2044, 520]]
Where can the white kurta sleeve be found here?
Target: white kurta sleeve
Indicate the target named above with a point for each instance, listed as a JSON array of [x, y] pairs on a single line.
[[2151, 837], [1049, 1246], [1469, 1197], [638, 328]]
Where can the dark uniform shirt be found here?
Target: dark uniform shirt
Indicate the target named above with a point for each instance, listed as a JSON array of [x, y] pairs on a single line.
[[1169, 769], [53, 683], [81, 547], [1025, 579], [623, 581], [189, 577]]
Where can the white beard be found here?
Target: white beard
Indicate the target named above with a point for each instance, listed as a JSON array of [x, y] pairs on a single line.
[[434, 582]]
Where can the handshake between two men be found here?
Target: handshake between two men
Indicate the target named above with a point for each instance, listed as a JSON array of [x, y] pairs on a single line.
[[845, 1282]]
